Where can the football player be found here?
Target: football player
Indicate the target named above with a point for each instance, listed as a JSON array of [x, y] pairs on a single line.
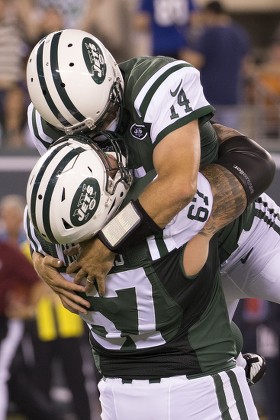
[[161, 331], [158, 106]]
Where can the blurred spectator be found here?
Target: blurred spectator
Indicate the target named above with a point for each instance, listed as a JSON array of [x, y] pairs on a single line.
[[72, 11], [251, 313], [56, 335], [12, 98], [19, 29], [48, 19], [18, 310], [22, 24], [11, 219], [259, 322], [19, 291], [168, 23], [221, 53], [51, 20], [268, 342], [267, 91], [59, 340], [110, 21]]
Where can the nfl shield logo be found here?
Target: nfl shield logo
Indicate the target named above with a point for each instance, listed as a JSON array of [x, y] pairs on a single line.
[[138, 131]]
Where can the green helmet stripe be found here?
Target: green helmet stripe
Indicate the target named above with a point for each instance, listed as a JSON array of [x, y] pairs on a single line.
[[50, 188], [59, 83], [36, 185], [42, 81]]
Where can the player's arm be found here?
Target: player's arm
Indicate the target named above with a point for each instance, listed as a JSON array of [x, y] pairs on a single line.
[[41, 133], [229, 202], [47, 266], [176, 160], [248, 161], [243, 171]]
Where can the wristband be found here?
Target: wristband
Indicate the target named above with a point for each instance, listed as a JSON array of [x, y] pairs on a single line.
[[130, 226]]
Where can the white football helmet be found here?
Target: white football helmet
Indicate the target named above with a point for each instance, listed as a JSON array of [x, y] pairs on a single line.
[[74, 82], [74, 190]]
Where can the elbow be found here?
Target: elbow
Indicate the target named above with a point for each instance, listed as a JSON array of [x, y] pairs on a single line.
[[185, 191], [250, 163], [191, 191], [269, 168]]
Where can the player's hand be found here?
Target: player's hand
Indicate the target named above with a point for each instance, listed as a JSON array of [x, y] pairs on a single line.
[[93, 263], [47, 269]]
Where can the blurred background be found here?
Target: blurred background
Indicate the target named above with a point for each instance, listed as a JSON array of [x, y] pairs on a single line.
[[241, 78]]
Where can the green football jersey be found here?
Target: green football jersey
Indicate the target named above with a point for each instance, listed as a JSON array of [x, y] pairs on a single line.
[[154, 321], [160, 95], [229, 235]]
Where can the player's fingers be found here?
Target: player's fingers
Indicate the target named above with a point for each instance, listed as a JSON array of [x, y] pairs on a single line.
[[68, 287], [52, 262], [77, 301], [73, 306], [89, 283], [73, 267], [79, 276], [100, 285]]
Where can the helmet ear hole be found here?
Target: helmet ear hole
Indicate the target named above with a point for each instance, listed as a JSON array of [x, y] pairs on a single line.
[[63, 195], [66, 224]]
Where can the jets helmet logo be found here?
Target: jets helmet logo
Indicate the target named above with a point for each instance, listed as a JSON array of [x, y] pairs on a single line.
[[94, 60], [85, 202]]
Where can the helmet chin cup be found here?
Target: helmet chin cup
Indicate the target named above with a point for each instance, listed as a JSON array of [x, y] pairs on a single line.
[[83, 127]]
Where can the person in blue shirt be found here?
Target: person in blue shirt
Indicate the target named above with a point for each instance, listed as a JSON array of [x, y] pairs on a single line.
[[168, 22], [220, 52]]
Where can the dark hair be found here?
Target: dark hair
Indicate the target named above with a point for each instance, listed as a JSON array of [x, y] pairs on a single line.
[[214, 7]]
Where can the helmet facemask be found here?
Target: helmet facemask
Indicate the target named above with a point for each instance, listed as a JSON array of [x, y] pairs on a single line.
[[110, 113]]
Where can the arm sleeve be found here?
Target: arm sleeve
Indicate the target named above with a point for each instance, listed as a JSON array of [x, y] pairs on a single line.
[[250, 163]]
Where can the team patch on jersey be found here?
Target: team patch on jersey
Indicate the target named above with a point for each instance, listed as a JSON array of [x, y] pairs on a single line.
[[94, 60], [138, 131], [85, 202]]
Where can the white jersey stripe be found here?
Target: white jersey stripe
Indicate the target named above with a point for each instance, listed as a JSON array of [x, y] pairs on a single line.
[[153, 248], [143, 92], [41, 137], [230, 398]]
